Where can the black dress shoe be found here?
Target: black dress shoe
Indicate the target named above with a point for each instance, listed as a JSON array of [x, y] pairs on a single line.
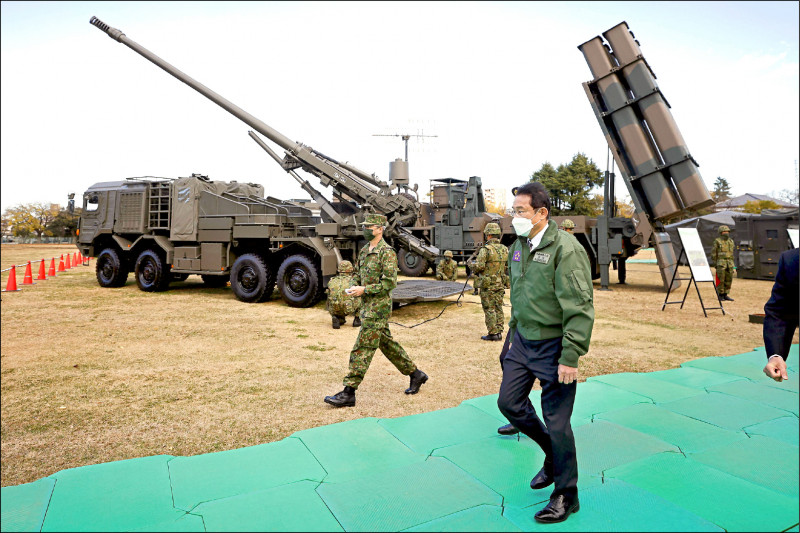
[[559, 509], [345, 398], [543, 479], [492, 337], [508, 429], [417, 379]]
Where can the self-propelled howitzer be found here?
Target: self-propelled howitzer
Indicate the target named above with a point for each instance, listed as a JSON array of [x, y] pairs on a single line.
[[370, 193]]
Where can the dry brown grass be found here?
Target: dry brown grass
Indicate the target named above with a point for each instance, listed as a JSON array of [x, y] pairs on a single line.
[[92, 375]]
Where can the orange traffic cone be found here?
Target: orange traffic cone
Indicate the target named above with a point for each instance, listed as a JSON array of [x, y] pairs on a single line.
[[11, 284], [80, 258], [61, 264], [68, 265], [52, 271], [41, 272], [28, 278], [74, 259]]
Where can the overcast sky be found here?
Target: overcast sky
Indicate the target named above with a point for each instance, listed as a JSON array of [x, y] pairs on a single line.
[[499, 84]]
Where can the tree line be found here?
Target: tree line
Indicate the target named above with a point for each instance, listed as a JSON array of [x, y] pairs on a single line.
[[39, 220]]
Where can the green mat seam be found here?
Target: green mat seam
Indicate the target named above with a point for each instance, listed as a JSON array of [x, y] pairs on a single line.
[[762, 403], [326, 505], [501, 507], [49, 499], [502, 498], [626, 390], [395, 437], [312, 455]]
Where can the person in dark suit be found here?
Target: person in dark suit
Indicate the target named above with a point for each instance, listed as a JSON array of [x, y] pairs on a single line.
[[781, 315]]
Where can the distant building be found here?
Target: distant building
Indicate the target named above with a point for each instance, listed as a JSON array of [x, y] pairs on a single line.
[[496, 198], [737, 203]]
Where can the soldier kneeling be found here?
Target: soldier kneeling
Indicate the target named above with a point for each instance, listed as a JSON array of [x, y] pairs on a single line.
[[340, 304], [447, 269]]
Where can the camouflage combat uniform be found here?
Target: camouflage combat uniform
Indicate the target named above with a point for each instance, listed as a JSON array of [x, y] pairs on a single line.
[[340, 304], [722, 256], [490, 265], [446, 269], [377, 272]]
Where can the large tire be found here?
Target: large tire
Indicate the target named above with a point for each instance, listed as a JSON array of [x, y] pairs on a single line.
[[411, 264], [152, 272], [299, 282], [251, 279], [111, 270], [214, 282]]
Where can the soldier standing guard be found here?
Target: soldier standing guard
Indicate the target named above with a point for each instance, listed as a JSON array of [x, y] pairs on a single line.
[[447, 268], [722, 256], [568, 225], [490, 265], [340, 304], [375, 279]]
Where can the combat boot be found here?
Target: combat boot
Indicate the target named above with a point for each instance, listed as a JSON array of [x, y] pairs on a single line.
[[345, 398], [492, 337], [357, 322], [335, 322], [418, 377], [726, 297]]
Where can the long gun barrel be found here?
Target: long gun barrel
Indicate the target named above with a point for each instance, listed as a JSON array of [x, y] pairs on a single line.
[[344, 178]]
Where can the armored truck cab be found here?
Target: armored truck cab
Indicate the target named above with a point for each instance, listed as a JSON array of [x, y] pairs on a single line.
[[166, 229]]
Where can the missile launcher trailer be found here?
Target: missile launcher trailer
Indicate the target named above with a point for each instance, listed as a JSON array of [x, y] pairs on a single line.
[[659, 172], [164, 230]]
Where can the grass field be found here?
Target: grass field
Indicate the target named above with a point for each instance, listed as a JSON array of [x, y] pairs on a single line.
[[91, 375]]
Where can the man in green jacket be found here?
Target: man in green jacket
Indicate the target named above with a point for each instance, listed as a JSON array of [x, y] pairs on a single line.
[[375, 279], [552, 314]]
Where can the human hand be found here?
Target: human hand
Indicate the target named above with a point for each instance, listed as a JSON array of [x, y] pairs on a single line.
[[567, 374], [776, 369], [358, 290]]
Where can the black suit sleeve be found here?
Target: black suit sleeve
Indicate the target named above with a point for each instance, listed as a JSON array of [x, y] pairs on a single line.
[[781, 311]]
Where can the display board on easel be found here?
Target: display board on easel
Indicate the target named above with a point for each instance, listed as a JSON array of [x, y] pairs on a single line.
[[699, 270]]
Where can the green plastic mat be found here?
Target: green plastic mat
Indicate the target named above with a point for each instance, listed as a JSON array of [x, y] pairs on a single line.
[[113, 496], [506, 466], [352, 449], [221, 474], [783, 429], [480, 518], [657, 390], [695, 378], [405, 497], [22, 507], [752, 459], [686, 433], [617, 506], [602, 445], [725, 411], [759, 392], [487, 404], [426, 432], [721, 498], [187, 523], [292, 507], [595, 397]]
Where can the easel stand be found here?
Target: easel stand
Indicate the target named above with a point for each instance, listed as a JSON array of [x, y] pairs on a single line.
[[691, 280]]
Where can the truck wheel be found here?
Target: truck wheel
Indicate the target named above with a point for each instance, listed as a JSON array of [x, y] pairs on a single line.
[[298, 281], [251, 279], [152, 274], [111, 270], [410, 264], [214, 282]]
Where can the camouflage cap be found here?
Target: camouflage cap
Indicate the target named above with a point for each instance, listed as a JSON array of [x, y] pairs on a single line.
[[724, 228], [492, 228], [374, 219], [345, 266], [567, 223], [448, 253]]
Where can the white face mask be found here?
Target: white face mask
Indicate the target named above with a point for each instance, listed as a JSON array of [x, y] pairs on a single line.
[[522, 225]]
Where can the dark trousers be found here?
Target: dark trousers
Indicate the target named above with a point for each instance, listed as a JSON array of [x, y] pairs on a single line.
[[525, 362]]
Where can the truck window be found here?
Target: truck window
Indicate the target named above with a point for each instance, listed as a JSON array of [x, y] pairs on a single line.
[[91, 202]]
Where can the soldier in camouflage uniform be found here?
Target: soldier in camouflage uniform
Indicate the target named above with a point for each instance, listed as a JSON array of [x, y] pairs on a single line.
[[340, 304], [568, 225], [722, 257], [490, 265], [375, 279], [447, 269]]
